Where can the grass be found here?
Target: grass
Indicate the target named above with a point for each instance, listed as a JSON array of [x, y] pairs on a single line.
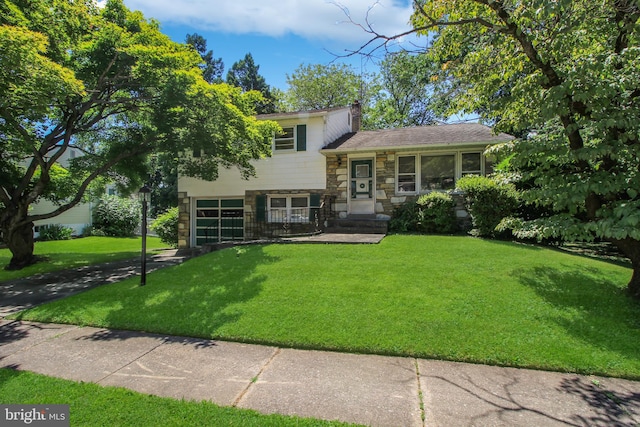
[[62, 254], [451, 298], [93, 405]]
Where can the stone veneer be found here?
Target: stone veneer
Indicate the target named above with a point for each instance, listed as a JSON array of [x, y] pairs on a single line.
[[386, 198], [184, 217]]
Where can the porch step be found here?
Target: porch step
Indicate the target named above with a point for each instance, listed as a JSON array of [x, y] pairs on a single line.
[[358, 224]]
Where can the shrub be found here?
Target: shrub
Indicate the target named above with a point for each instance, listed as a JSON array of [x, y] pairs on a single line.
[[116, 216], [436, 213], [166, 227], [404, 218], [488, 202], [55, 232]]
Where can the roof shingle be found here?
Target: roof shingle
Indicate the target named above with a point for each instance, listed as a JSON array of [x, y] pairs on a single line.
[[422, 136]]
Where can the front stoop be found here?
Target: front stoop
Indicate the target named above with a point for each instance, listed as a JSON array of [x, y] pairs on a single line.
[[358, 224]]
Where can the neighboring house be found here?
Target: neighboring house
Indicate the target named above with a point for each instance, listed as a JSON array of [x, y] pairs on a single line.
[[76, 218], [323, 170]]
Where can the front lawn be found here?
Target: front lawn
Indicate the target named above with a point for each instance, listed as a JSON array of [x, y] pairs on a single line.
[[62, 254], [93, 405], [453, 298]]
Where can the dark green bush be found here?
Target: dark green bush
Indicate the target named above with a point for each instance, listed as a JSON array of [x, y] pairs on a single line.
[[404, 218], [55, 232], [116, 216], [430, 213], [488, 202], [166, 227], [436, 213]]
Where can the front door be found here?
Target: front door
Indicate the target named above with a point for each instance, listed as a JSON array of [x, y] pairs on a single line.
[[362, 188]]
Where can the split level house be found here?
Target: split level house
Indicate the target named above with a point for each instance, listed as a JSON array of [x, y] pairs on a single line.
[[325, 172]]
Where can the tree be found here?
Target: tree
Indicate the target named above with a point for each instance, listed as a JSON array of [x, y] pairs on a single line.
[[317, 86], [245, 74], [570, 71], [407, 90], [108, 83], [212, 69]]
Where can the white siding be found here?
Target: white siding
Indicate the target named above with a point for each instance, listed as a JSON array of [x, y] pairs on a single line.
[[283, 171], [77, 217], [337, 124]]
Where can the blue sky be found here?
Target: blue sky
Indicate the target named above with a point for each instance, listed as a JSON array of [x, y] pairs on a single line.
[[280, 34]]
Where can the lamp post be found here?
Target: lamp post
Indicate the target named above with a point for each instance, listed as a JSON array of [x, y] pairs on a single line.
[[144, 195]]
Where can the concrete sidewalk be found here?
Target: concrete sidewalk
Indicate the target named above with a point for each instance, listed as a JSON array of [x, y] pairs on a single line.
[[363, 389]]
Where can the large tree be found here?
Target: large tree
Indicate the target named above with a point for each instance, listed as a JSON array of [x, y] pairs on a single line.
[[317, 86], [245, 74], [569, 70], [212, 68], [407, 91], [106, 82]]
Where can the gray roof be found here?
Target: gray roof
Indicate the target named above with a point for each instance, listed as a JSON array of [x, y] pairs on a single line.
[[419, 137]]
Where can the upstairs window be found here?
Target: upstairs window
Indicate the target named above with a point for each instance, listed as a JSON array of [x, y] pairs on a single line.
[[293, 138], [286, 140]]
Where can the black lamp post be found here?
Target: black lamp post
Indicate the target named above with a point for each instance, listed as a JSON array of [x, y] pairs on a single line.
[[144, 195]]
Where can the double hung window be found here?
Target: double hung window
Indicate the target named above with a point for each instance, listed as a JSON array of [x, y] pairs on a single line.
[[288, 208]]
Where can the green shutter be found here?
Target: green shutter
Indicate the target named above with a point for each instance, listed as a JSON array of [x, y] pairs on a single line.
[[301, 138], [261, 208], [314, 206]]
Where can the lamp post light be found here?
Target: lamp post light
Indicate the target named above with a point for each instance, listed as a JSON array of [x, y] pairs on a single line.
[[144, 195]]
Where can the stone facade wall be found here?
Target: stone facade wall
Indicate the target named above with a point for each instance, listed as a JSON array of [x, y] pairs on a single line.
[[337, 183], [386, 198], [184, 219]]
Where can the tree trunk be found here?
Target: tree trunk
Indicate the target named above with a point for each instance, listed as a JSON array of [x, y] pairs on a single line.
[[631, 249], [19, 239]]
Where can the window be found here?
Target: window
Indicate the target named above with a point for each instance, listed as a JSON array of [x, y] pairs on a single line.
[[471, 164], [438, 172], [406, 174], [286, 140], [421, 173], [288, 208]]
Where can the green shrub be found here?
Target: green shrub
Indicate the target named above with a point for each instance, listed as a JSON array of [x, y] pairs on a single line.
[[166, 227], [116, 216], [404, 218], [436, 213], [55, 232], [488, 202]]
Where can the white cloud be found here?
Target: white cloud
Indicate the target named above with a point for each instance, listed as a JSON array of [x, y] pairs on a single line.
[[312, 19]]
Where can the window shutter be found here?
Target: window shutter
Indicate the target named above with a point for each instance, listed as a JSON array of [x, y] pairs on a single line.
[[301, 138], [261, 208], [314, 206]]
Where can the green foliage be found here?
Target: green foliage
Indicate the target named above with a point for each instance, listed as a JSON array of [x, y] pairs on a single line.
[[406, 91], [404, 218], [116, 216], [50, 232], [436, 213], [488, 202], [106, 82], [166, 227], [314, 87], [245, 74], [564, 76], [430, 213]]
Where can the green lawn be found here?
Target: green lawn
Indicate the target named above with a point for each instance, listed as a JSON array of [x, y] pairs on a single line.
[[61, 254], [453, 298], [93, 405]]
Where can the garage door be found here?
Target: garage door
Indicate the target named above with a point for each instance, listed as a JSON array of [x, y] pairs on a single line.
[[219, 220]]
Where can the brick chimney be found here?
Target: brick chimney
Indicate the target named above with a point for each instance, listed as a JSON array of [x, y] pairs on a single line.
[[356, 116]]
